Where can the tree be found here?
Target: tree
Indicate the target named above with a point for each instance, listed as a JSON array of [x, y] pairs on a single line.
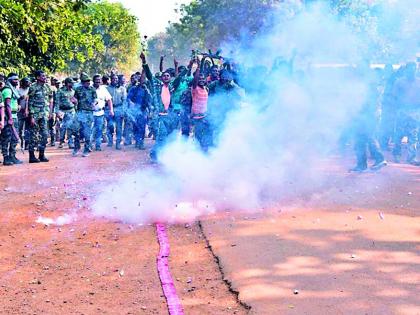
[[386, 27], [66, 36], [40, 34], [206, 24], [120, 40]]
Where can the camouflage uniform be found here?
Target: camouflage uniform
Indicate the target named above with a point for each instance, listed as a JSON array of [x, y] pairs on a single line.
[[407, 98], [166, 120], [184, 111], [139, 100], [86, 98], [365, 126], [119, 103], [23, 122], [224, 97], [66, 110], [39, 97], [52, 122]]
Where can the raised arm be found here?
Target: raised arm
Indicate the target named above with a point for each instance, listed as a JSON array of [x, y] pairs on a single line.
[[198, 72], [190, 65], [178, 79], [143, 77], [146, 68], [161, 63], [176, 64]]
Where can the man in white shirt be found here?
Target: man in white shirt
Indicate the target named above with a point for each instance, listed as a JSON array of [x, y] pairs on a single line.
[[104, 99]]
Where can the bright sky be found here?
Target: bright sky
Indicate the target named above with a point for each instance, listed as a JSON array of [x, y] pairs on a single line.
[[153, 14]]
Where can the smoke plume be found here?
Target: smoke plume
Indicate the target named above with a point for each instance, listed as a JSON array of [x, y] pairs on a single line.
[[285, 125]]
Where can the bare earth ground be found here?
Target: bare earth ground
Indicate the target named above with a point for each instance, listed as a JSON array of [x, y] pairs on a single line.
[[350, 246], [93, 266]]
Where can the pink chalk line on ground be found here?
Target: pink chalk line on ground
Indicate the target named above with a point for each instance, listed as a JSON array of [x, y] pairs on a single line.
[[168, 287]]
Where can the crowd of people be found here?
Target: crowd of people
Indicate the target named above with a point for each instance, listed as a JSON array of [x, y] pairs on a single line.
[[192, 100], [91, 111], [390, 114]]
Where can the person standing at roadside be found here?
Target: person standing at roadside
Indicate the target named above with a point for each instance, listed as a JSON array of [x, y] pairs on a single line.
[[162, 90], [104, 99], [25, 83], [115, 115], [87, 100], [407, 97], [138, 100], [66, 111], [9, 135], [200, 97], [40, 106]]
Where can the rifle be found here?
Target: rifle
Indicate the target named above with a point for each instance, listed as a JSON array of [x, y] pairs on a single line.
[[214, 56], [16, 135], [210, 54]]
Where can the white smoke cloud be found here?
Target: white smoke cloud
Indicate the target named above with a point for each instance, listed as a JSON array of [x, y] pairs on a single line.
[[277, 138]]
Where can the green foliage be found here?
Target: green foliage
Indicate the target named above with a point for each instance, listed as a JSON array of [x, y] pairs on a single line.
[[208, 23], [120, 40], [65, 36]]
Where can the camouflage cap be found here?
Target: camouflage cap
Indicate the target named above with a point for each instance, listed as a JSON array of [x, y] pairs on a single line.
[[84, 77], [68, 80]]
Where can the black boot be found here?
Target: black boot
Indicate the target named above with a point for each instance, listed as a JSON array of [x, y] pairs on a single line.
[[141, 146], [32, 158], [14, 159], [42, 157], [7, 161]]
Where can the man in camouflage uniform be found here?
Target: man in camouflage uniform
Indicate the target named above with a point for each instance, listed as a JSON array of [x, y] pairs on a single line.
[[86, 101], [407, 98], [40, 106], [139, 99], [162, 92], [365, 126], [52, 121], [25, 83], [115, 118], [66, 110], [224, 97], [185, 80], [9, 137]]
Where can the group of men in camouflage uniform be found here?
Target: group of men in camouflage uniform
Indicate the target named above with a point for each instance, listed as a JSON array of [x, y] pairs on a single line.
[[391, 112], [35, 104], [193, 99], [95, 113]]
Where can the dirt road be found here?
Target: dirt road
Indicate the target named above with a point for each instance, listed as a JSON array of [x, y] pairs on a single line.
[[92, 266], [349, 247]]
